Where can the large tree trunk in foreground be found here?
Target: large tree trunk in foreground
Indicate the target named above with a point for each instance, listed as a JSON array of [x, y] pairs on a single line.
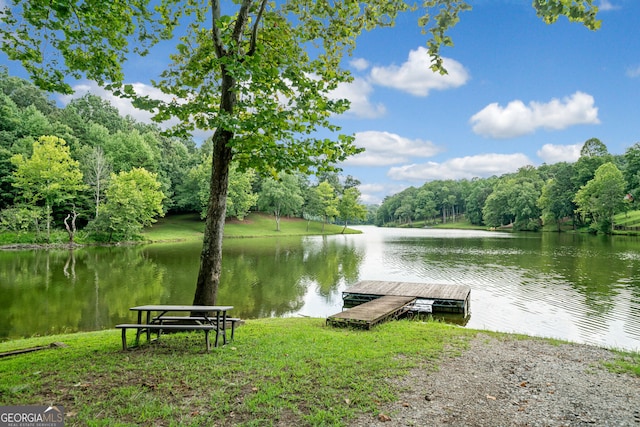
[[211, 256]]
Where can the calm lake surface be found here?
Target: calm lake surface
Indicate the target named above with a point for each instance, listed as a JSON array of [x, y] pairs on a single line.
[[577, 287]]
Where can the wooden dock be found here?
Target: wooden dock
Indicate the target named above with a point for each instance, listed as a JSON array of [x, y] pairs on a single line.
[[370, 302], [373, 312]]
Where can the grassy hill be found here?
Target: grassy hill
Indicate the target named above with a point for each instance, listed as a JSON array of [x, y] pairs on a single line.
[[187, 227], [628, 219]]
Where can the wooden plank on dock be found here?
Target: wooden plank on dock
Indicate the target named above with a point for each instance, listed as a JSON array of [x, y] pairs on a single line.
[[447, 298], [416, 290], [372, 312]]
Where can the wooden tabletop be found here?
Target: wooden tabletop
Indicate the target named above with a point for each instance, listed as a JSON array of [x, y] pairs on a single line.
[[192, 308]]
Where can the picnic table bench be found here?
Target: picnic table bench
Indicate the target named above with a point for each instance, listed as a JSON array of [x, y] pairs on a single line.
[[202, 320]]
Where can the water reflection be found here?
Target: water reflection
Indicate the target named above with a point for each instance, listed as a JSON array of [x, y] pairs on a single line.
[[265, 277], [581, 288], [58, 291]]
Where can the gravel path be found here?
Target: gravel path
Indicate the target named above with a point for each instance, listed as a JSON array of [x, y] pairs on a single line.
[[514, 382]]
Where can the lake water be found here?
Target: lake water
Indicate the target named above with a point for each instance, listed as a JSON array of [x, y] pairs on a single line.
[[577, 287]]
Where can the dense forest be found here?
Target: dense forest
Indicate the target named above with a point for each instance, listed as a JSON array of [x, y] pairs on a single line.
[[587, 193], [85, 167]]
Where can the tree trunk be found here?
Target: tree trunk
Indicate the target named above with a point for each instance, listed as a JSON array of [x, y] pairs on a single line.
[[97, 197], [71, 229], [48, 208], [211, 256]]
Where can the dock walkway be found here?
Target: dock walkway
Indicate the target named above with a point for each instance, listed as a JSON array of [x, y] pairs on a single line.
[[370, 302], [373, 312]]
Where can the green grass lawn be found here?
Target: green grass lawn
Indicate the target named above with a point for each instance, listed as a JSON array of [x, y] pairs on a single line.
[[291, 371], [284, 371], [460, 225], [189, 227], [628, 219]]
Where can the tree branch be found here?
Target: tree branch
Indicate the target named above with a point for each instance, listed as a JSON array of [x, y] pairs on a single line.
[[243, 17], [254, 30], [215, 30]]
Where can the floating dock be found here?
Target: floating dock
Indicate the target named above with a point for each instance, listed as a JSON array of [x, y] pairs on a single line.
[[370, 302]]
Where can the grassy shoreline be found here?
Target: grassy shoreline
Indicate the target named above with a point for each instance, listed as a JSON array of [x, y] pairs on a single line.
[[189, 227], [282, 371]]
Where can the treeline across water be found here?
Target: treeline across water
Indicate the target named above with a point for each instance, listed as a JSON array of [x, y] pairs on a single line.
[[86, 169], [586, 194], [86, 166]]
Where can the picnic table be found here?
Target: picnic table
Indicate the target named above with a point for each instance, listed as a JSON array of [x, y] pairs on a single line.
[[204, 318]]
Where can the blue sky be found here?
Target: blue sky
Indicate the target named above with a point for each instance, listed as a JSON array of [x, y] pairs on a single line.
[[519, 92]]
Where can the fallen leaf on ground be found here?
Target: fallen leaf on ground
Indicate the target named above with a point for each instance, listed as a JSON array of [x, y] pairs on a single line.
[[384, 417]]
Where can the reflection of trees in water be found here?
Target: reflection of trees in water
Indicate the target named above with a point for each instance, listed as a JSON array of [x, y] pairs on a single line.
[[35, 297], [58, 291], [92, 288], [70, 266], [125, 277], [602, 278], [261, 282], [333, 263], [591, 265], [595, 280], [588, 279]]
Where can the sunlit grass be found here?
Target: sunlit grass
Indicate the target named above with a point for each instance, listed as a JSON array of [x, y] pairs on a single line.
[[464, 225], [189, 227], [283, 371], [278, 371], [628, 219], [626, 362]]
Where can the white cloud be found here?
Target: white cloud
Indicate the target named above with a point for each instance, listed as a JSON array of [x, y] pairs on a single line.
[[482, 165], [359, 64], [517, 119], [374, 193], [606, 5], [385, 148], [357, 92], [370, 193], [124, 106], [415, 77], [551, 153], [633, 72]]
